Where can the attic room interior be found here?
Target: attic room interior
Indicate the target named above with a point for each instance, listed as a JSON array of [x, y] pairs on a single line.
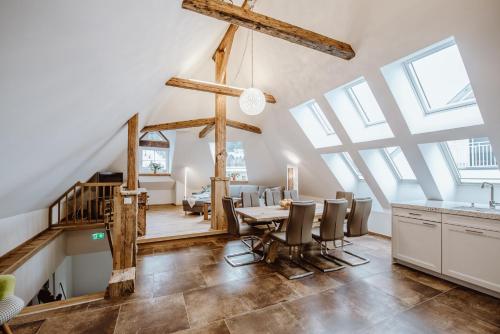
[[249, 166]]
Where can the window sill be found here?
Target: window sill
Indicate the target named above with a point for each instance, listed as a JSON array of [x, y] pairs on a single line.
[[238, 182]]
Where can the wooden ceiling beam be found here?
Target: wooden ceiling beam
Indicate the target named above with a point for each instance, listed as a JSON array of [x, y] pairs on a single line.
[[234, 124], [179, 125], [206, 130], [243, 126], [229, 35], [210, 87], [261, 23]]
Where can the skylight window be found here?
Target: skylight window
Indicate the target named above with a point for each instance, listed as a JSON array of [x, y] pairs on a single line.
[[352, 165], [472, 160], [315, 125], [440, 79], [236, 168], [399, 164], [433, 90], [365, 102]]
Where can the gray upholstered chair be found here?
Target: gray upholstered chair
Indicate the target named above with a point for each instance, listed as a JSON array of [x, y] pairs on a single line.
[[349, 196], [357, 225], [250, 199], [245, 232], [291, 194], [272, 197], [298, 232], [331, 229]]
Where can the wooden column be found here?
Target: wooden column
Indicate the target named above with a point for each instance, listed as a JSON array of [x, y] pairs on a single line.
[[133, 142], [219, 183], [122, 280]]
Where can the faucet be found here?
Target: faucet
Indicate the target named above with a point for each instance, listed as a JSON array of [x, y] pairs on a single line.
[[492, 196]]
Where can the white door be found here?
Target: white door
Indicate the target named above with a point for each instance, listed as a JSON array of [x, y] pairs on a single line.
[[417, 242], [472, 255]]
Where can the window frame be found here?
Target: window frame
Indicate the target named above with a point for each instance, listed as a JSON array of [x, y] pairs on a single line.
[[358, 106], [394, 167], [452, 165], [321, 117], [417, 88], [142, 170], [211, 147], [348, 159]]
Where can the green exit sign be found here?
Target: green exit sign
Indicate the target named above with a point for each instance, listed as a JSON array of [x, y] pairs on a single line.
[[98, 236]]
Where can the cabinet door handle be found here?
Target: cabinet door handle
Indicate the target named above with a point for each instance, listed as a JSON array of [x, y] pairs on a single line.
[[474, 232], [414, 214], [428, 224]]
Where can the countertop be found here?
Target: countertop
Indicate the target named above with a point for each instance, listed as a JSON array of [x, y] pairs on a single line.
[[454, 208]]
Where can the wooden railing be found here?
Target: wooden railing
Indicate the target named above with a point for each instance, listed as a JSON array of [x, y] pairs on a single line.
[[83, 203]]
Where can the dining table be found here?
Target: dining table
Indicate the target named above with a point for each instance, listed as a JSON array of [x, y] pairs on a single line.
[[268, 214]]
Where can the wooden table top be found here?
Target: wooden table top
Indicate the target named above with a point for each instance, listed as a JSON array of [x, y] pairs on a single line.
[[270, 213]]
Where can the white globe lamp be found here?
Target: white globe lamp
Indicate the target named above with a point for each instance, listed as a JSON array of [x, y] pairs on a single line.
[[252, 101]]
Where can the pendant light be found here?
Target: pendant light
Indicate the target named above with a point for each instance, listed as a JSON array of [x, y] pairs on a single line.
[[252, 100]]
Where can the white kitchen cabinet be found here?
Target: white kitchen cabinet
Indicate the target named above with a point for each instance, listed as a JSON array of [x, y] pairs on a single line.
[[471, 254], [417, 241]]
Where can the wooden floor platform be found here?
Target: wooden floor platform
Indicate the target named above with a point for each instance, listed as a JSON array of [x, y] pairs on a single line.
[[19, 255]]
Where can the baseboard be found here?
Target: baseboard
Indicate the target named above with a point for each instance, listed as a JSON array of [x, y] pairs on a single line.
[[61, 303], [380, 235]]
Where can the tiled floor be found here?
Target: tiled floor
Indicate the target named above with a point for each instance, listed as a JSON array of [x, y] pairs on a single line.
[[170, 220], [193, 290]]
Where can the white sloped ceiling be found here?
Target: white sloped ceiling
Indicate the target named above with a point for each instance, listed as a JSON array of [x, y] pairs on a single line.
[[72, 73]]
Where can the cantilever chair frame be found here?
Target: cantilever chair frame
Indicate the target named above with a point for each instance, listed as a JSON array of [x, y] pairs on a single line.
[[248, 241], [342, 244], [299, 246], [339, 219]]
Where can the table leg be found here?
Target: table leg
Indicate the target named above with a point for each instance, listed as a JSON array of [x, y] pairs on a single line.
[[272, 253], [205, 211]]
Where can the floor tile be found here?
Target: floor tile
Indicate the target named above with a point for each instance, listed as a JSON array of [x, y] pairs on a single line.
[[434, 317], [475, 303], [274, 319], [433, 282], [410, 292], [216, 327], [167, 312], [222, 272], [350, 307], [96, 321], [177, 281]]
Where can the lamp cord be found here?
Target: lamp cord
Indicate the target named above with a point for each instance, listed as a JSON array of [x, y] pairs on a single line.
[[252, 58]]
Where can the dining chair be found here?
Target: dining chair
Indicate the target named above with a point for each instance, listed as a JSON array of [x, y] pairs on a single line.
[[250, 199], [349, 196], [272, 197], [291, 194], [245, 234], [357, 225], [331, 229], [298, 232]]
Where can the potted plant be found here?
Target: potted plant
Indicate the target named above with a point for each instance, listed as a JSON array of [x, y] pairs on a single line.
[[155, 167]]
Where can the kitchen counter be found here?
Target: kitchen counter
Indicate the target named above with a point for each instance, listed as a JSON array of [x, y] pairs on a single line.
[[454, 208]]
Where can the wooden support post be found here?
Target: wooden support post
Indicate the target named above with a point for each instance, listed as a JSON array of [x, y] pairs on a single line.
[[133, 142]]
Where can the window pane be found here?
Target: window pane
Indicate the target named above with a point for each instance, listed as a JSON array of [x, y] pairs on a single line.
[[474, 159], [400, 164], [443, 79], [160, 155], [154, 136], [148, 154], [235, 164], [366, 103], [315, 125]]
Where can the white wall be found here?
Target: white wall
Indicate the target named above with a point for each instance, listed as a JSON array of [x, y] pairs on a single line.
[[91, 272], [64, 275], [36, 271], [17, 229]]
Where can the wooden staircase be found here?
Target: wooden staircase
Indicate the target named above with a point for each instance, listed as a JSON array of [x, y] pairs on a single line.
[[83, 204]]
